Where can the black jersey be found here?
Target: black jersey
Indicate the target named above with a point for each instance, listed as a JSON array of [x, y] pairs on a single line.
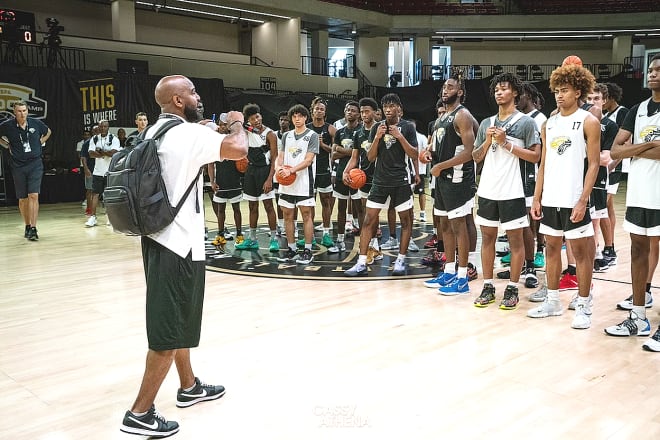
[[323, 157], [446, 142], [361, 142], [227, 176], [392, 160], [344, 137]]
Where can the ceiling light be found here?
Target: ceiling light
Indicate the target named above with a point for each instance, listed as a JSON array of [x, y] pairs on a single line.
[[194, 11], [354, 29], [232, 9]]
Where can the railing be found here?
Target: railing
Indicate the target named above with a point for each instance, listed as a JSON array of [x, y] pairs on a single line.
[[365, 88], [527, 72], [256, 61], [342, 68], [35, 55]]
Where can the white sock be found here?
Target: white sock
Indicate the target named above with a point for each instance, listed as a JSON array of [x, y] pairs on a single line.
[[401, 258], [553, 295], [374, 243], [362, 260], [462, 272], [349, 217], [490, 282], [326, 231], [640, 311], [450, 267], [340, 237], [472, 258]]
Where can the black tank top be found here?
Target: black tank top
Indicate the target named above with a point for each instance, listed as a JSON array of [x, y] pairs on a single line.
[[446, 141]]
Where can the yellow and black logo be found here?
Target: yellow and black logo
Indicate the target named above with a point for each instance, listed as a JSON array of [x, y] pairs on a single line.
[[650, 133], [560, 144], [10, 93]]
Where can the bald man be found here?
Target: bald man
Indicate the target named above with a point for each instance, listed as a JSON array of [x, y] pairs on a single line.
[[174, 260]]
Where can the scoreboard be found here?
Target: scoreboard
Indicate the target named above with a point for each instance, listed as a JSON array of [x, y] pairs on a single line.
[[17, 26]]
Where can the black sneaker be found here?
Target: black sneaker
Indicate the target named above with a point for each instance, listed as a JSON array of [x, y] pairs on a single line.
[[151, 424], [531, 280], [487, 296], [32, 235], [601, 265], [290, 256], [510, 300], [27, 231], [609, 255], [504, 275], [200, 393], [306, 257]]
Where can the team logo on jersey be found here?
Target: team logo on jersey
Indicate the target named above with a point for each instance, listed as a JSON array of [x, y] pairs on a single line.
[[347, 143], [389, 140], [295, 151], [650, 133], [366, 145], [439, 135], [560, 144]]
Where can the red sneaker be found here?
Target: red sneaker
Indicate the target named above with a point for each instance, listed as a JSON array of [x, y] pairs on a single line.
[[434, 258], [88, 212], [568, 282], [432, 243]]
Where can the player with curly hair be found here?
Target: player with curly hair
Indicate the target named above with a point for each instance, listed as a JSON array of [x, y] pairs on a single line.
[[563, 187]]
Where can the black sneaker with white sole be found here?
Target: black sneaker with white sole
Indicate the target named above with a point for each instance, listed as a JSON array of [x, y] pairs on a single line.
[[531, 280], [201, 392], [152, 424]]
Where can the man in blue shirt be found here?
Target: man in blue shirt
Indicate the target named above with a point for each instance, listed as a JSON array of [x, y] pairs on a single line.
[[24, 137]]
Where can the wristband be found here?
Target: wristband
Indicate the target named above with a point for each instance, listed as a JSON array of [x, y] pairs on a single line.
[[510, 149]]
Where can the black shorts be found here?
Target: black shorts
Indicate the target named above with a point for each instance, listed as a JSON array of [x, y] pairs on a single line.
[[614, 177], [340, 188], [559, 219], [255, 177], [642, 221], [27, 178], [598, 199], [419, 189], [98, 184], [448, 196], [322, 181], [175, 296], [398, 196], [503, 211]]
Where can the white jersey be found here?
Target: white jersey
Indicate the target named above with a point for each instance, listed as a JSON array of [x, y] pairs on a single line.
[[500, 176], [259, 153], [294, 149], [565, 154], [105, 143], [644, 175]]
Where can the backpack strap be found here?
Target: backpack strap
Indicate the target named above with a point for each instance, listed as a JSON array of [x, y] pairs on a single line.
[[157, 135]]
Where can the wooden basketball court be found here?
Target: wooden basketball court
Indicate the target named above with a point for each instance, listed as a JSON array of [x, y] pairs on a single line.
[[307, 359]]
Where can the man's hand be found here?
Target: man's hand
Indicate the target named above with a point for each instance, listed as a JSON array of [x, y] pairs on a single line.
[[577, 214]]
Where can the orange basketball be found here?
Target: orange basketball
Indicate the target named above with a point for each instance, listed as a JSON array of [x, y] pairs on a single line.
[[358, 178], [241, 165], [285, 180], [425, 156], [572, 59]]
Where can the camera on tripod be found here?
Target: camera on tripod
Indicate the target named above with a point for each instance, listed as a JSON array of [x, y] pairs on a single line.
[[52, 37]]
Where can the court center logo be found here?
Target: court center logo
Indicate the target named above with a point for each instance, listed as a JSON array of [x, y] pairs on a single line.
[[10, 93], [325, 265]]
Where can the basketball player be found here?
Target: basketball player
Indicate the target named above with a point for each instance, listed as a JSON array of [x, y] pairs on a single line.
[[285, 125], [506, 143], [454, 173], [639, 139], [393, 141], [323, 179], [342, 150], [258, 180], [563, 188], [298, 150]]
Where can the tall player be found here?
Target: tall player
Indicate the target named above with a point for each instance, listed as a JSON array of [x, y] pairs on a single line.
[[563, 187], [639, 139], [454, 172], [506, 143]]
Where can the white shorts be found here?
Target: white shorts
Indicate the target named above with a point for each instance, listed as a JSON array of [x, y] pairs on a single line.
[[324, 190], [264, 196], [461, 211], [361, 194], [597, 213], [301, 202], [408, 204], [233, 200], [613, 188]]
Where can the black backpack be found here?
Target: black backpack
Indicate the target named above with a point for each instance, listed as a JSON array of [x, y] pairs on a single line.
[[135, 196]]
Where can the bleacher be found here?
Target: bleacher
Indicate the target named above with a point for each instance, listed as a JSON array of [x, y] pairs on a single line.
[[422, 7], [554, 7]]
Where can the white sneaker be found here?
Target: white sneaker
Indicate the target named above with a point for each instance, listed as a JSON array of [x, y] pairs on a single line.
[[633, 325], [412, 246], [339, 246], [548, 308], [539, 295], [573, 303], [582, 318], [91, 221], [399, 268], [391, 243], [320, 227], [627, 304], [348, 227]]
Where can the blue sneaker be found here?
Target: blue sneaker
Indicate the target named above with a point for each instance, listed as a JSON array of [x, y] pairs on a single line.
[[442, 279], [457, 287], [247, 245]]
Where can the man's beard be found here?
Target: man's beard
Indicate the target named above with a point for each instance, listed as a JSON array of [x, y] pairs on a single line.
[[194, 114], [450, 100]]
